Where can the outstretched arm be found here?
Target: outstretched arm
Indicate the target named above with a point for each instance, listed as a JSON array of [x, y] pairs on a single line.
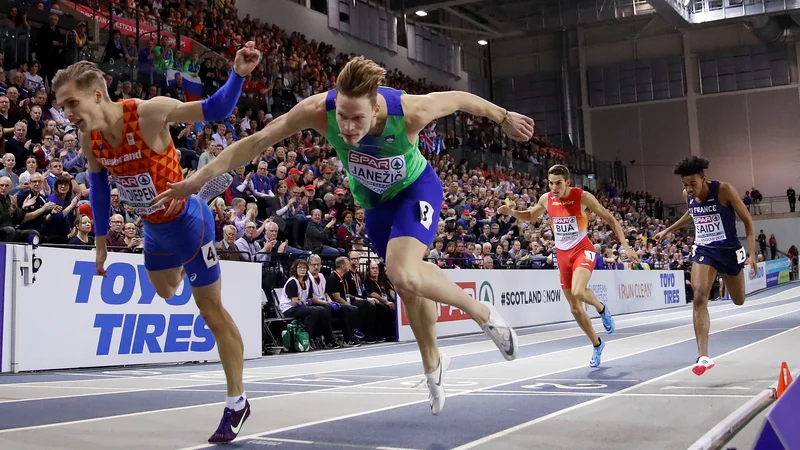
[[590, 202], [427, 108], [217, 107], [309, 113], [528, 215]]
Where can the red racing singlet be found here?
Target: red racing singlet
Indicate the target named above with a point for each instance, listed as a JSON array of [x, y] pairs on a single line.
[[140, 173], [567, 219]]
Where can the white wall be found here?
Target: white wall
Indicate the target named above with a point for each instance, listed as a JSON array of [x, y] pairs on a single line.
[[294, 17], [786, 231]]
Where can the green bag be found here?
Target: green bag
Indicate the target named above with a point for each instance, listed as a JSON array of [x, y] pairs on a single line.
[[295, 338]]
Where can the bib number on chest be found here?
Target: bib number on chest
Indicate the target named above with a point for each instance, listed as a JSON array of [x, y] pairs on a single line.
[[708, 229], [138, 191], [566, 228], [376, 174]]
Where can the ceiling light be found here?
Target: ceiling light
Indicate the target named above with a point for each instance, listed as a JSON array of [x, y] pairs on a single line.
[[482, 42], [421, 13]]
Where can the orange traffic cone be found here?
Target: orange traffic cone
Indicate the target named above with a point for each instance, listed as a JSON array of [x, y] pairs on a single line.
[[784, 380]]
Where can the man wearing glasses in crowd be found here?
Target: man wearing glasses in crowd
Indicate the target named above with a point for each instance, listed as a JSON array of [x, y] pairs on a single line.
[[347, 314]]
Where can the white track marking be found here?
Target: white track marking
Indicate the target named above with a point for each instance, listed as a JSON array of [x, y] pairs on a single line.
[[614, 394]]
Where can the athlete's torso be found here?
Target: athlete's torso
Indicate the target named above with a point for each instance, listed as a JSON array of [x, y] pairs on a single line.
[[140, 172], [379, 167], [714, 224], [567, 219]]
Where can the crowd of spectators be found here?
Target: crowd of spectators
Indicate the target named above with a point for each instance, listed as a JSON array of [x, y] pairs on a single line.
[[293, 201]]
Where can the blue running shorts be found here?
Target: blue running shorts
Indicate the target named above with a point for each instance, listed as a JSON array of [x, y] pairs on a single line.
[[187, 241], [727, 261], [413, 212]]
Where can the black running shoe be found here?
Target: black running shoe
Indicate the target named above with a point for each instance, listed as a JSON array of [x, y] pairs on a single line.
[[230, 425]]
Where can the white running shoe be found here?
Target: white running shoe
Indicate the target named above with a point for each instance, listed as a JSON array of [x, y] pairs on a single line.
[[437, 395], [501, 333], [703, 364]]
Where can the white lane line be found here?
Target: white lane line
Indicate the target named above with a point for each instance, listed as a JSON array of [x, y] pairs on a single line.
[[615, 394]]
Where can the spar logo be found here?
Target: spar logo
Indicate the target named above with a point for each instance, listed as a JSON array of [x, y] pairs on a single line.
[[447, 313]]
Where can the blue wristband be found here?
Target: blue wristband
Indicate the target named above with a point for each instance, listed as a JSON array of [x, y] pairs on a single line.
[[100, 200], [220, 105]]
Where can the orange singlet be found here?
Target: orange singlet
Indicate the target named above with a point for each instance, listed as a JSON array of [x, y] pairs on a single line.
[[573, 247], [139, 171]]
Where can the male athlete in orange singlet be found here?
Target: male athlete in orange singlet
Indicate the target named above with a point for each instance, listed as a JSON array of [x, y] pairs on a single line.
[[567, 207], [131, 140]]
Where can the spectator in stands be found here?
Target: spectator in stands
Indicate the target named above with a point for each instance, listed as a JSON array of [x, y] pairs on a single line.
[[39, 211], [319, 236], [378, 287], [9, 161], [792, 197], [368, 308], [49, 42], [319, 296], [773, 246], [18, 145], [134, 243], [283, 248], [249, 245], [176, 89], [11, 215], [227, 248], [348, 230], [79, 236], [338, 290], [72, 158], [762, 243], [63, 217], [295, 302], [115, 239]]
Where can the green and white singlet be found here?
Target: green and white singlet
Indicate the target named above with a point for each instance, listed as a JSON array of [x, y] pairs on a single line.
[[379, 167]]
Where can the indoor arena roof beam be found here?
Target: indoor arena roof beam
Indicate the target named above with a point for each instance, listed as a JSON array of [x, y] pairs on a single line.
[[673, 11]]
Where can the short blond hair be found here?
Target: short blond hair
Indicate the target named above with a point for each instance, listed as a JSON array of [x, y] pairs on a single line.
[[85, 74], [360, 78]]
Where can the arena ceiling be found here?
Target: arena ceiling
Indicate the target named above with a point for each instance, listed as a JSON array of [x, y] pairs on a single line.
[[497, 19]]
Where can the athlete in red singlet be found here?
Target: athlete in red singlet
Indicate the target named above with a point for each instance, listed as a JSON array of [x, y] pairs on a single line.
[[567, 207], [130, 140]]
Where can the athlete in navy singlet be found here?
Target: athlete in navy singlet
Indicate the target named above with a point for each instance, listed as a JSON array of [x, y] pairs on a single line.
[[713, 207]]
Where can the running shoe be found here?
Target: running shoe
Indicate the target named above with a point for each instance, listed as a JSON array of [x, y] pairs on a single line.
[[437, 395], [501, 333], [230, 425], [596, 353], [608, 321], [703, 364]]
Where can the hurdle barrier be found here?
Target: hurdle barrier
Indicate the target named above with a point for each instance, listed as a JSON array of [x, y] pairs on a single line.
[[779, 420]]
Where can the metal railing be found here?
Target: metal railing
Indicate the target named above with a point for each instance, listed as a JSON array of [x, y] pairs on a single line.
[[768, 205]]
